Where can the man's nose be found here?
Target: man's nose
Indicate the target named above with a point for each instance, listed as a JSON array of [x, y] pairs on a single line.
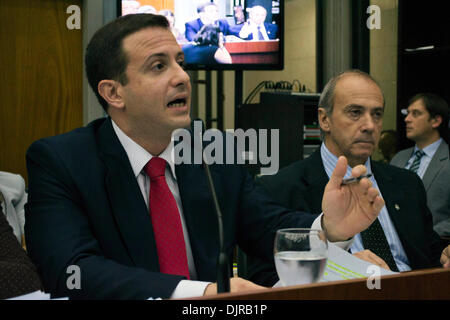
[[369, 122], [408, 118], [180, 76]]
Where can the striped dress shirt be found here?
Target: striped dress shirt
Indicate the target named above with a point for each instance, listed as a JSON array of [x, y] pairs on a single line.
[[329, 161]]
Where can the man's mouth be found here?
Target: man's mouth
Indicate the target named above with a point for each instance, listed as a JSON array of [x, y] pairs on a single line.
[[178, 103]]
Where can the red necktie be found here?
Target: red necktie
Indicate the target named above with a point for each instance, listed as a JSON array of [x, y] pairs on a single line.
[[166, 221]]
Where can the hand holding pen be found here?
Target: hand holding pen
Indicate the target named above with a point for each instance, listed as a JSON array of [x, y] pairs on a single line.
[[355, 179]]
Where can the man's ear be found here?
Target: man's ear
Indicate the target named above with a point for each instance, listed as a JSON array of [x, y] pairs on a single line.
[[436, 121], [110, 90], [324, 120]]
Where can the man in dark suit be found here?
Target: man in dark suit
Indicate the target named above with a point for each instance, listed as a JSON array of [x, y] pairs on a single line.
[[110, 215], [351, 117], [209, 14], [256, 28], [427, 125]]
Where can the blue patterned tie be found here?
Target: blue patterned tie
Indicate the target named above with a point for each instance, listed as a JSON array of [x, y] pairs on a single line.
[[416, 163]]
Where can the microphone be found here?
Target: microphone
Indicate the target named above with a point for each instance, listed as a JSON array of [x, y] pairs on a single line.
[[223, 270]]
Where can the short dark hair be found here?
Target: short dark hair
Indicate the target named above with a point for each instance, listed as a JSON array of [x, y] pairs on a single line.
[[105, 58], [436, 106]]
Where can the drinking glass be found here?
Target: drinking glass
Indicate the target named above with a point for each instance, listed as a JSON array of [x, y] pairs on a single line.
[[300, 255]]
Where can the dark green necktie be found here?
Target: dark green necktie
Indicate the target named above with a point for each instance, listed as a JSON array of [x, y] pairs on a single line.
[[375, 240]]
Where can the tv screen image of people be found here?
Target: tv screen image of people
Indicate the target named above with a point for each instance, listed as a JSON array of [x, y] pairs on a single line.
[[222, 34]]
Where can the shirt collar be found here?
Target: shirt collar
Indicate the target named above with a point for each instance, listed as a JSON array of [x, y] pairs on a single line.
[[138, 156], [431, 149], [330, 160], [254, 25]]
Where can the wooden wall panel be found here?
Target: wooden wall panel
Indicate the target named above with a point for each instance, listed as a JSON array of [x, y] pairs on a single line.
[[40, 76]]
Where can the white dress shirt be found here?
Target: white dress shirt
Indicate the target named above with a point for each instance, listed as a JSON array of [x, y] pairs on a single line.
[[13, 198], [429, 152], [138, 158]]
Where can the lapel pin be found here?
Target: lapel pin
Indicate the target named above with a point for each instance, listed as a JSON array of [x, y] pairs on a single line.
[[397, 207]]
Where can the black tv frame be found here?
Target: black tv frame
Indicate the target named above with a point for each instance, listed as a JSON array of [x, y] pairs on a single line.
[[241, 66]]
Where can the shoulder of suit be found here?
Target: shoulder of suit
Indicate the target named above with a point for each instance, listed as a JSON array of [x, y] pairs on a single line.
[[402, 153], [394, 172], [83, 136], [443, 147]]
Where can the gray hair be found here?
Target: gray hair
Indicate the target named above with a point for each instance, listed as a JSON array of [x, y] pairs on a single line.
[[326, 100]]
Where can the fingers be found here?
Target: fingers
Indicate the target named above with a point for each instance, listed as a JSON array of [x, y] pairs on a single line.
[[210, 289], [338, 173], [445, 257], [236, 285], [378, 204], [359, 170], [372, 193], [371, 257], [375, 200]]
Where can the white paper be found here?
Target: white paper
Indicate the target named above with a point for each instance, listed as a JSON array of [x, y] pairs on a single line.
[[342, 265], [36, 295]]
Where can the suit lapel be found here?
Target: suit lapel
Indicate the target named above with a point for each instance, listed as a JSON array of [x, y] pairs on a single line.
[[394, 199], [127, 204], [407, 154], [315, 179], [435, 165]]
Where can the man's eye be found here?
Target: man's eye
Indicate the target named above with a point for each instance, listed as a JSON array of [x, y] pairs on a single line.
[[378, 115], [182, 64], [158, 66], [355, 113]]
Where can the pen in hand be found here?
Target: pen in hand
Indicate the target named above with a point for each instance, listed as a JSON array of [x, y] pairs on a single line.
[[353, 179]]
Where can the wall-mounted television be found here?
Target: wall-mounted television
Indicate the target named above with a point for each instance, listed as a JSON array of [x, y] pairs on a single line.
[[222, 34]]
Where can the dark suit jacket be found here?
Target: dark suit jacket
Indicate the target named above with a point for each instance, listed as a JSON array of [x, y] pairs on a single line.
[[85, 208], [271, 30], [300, 186], [192, 27]]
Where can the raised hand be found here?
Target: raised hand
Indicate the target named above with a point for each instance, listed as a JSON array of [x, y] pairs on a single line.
[[349, 209]]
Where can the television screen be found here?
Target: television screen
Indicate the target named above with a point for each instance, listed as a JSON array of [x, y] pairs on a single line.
[[222, 34]]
